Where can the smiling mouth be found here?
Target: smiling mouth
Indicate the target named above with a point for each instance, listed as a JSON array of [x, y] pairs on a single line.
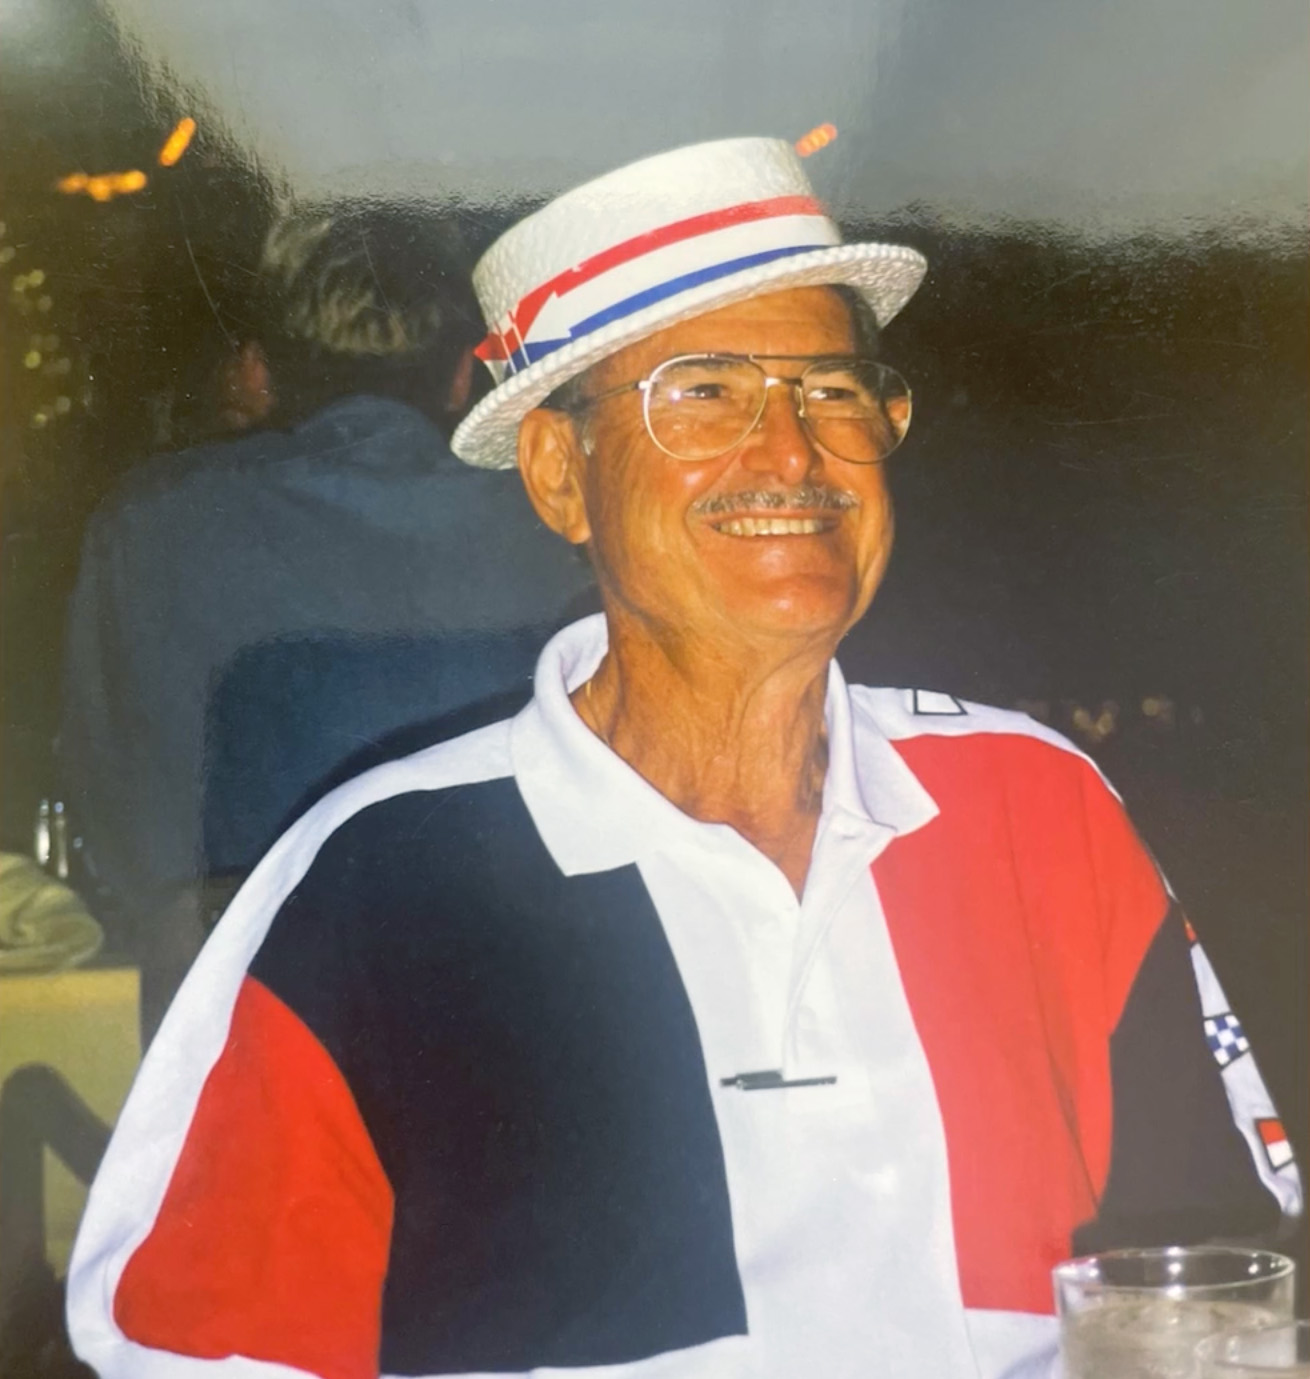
[[775, 526], [803, 510]]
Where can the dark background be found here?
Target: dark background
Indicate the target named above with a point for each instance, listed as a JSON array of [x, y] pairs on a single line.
[[1102, 501]]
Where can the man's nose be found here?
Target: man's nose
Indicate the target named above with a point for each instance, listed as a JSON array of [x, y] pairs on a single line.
[[779, 442]]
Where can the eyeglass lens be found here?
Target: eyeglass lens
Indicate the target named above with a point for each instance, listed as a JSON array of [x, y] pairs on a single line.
[[701, 406]]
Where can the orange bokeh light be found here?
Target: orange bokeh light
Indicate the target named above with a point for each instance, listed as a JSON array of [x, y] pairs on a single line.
[[104, 186], [819, 137], [176, 143]]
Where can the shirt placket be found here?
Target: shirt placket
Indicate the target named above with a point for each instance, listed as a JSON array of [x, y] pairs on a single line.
[[846, 847]]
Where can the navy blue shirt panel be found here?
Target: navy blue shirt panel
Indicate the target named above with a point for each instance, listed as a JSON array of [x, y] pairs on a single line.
[[526, 1059], [1180, 1171]]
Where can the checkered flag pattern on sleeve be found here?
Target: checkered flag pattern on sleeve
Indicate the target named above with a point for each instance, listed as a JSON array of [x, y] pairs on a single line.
[[1224, 1035]]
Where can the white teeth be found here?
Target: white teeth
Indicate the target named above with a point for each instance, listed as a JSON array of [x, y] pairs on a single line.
[[771, 526]]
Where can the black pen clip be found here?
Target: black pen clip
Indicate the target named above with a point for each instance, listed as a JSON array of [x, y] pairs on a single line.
[[766, 1081]]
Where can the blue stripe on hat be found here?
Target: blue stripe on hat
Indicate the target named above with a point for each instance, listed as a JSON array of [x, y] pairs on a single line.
[[534, 350]]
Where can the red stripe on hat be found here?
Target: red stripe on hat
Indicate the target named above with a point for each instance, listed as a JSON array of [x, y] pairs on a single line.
[[495, 346]]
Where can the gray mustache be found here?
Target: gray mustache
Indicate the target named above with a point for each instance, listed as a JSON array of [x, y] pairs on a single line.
[[808, 497]]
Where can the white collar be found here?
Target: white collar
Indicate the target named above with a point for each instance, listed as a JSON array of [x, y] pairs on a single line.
[[595, 813]]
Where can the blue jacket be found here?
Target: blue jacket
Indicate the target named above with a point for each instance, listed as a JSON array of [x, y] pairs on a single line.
[[250, 614]]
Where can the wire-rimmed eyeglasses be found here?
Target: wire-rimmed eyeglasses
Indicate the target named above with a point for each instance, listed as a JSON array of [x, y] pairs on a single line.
[[700, 406]]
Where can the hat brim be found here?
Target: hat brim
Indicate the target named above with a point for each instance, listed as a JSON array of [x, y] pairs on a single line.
[[886, 275]]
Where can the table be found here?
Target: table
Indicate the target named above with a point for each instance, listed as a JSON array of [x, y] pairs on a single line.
[[84, 1024]]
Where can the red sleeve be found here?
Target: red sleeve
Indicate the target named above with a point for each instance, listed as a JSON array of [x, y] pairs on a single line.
[[273, 1237], [1019, 918]]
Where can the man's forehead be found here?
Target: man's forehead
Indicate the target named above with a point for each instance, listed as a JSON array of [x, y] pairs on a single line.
[[801, 320]]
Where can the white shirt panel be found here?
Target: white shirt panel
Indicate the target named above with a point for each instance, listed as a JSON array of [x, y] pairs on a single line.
[[840, 1193]]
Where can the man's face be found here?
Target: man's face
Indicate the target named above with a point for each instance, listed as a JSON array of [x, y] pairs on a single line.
[[691, 549]]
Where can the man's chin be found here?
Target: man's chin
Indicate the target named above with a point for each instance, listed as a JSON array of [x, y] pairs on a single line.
[[797, 611]]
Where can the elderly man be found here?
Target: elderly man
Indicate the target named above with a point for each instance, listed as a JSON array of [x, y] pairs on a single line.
[[710, 1017]]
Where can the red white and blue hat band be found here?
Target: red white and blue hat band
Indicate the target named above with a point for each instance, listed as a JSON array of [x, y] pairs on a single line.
[[629, 277]]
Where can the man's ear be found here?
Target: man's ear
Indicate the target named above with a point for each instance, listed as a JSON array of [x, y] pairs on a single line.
[[461, 384], [246, 394], [551, 463]]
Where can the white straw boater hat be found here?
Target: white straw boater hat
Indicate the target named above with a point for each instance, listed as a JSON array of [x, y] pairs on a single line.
[[639, 249]]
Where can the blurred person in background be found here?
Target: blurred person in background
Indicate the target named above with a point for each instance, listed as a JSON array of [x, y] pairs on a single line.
[[334, 546]]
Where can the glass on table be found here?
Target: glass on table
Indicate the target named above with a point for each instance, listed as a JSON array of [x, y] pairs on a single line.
[[1274, 1352], [1140, 1314]]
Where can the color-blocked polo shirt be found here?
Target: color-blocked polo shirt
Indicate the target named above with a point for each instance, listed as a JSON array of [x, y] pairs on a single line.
[[500, 1064]]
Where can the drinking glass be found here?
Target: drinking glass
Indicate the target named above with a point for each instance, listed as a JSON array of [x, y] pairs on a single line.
[[1274, 1352], [1140, 1314]]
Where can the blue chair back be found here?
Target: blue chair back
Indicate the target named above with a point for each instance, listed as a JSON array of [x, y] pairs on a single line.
[[291, 719]]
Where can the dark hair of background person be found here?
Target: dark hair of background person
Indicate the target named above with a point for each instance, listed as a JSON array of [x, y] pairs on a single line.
[[364, 297]]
